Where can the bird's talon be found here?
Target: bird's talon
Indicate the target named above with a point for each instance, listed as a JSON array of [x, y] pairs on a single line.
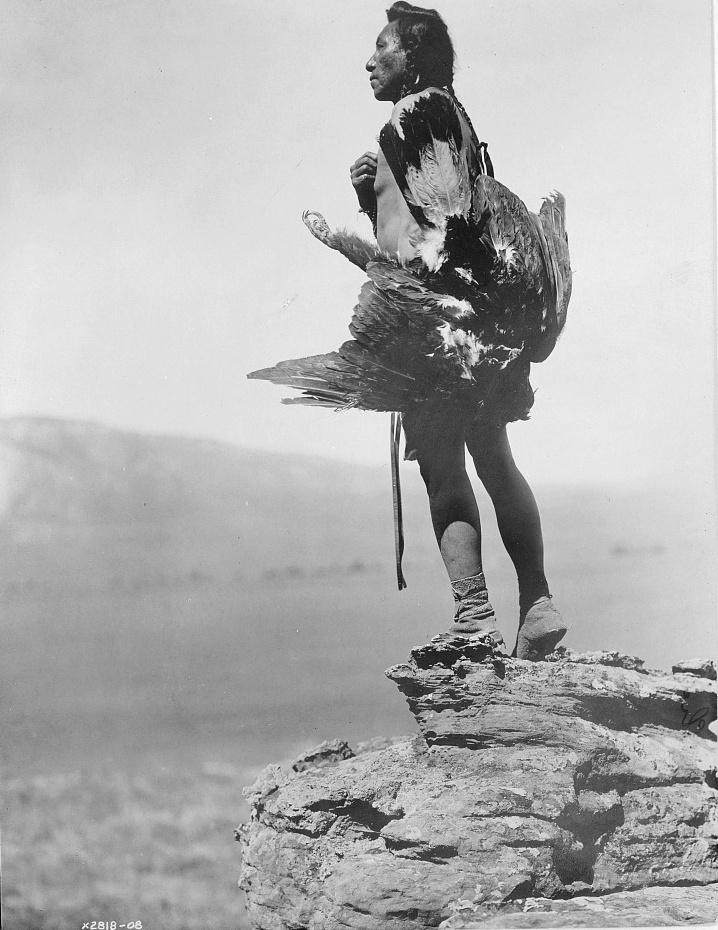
[[319, 228]]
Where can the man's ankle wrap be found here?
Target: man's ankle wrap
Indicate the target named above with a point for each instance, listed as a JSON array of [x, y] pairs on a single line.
[[474, 612], [474, 585]]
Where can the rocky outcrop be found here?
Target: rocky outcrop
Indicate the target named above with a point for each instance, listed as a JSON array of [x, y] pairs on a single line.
[[576, 792], [658, 906]]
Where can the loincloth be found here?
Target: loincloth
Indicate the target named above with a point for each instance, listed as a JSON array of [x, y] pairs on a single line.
[[433, 423]]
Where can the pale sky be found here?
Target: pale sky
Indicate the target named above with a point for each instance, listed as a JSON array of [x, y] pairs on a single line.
[[157, 156]]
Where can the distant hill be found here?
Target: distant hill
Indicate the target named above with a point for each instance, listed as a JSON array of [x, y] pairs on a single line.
[[84, 505]]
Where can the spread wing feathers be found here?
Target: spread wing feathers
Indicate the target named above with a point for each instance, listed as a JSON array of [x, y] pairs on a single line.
[[440, 186], [419, 336], [510, 235], [342, 380], [410, 344], [531, 275], [553, 220]]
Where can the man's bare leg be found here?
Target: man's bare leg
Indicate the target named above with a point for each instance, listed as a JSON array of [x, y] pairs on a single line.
[[517, 515], [457, 527]]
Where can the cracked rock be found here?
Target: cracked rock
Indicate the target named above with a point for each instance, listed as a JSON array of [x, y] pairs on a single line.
[[556, 791], [329, 751], [699, 667]]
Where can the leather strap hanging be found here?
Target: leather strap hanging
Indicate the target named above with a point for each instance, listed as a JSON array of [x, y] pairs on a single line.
[[396, 495]]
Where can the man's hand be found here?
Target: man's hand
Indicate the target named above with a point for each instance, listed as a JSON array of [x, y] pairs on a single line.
[[363, 172]]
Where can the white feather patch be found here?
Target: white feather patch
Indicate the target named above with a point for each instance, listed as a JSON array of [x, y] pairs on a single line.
[[470, 351], [440, 185], [430, 247], [461, 309], [465, 274]]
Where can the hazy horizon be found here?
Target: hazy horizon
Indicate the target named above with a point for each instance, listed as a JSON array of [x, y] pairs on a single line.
[[408, 469]]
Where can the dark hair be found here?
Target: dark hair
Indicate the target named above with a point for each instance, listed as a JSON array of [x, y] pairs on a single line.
[[426, 41]]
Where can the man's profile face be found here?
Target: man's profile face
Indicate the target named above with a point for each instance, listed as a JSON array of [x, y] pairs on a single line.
[[387, 66]]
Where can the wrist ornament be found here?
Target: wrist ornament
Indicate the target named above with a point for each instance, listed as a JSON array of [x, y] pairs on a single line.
[[371, 212]]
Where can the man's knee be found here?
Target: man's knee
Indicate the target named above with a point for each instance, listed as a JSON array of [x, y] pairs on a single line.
[[494, 463], [451, 498], [442, 474]]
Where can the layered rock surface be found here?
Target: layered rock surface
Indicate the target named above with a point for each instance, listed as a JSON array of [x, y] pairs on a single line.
[[536, 794]]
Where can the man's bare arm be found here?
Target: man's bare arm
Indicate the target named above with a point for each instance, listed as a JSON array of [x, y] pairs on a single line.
[[363, 173]]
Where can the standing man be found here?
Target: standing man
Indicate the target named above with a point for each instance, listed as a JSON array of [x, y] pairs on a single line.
[[412, 66]]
